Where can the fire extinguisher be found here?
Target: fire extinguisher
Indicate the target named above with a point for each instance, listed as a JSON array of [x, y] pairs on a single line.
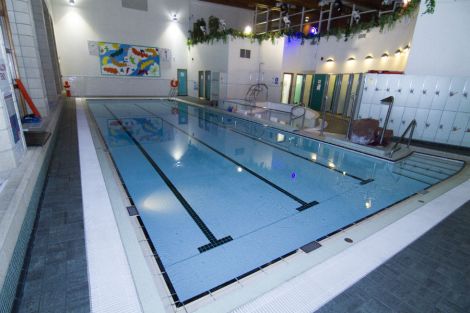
[[67, 89]]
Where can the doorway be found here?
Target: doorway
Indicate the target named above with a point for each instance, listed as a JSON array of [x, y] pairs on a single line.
[[201, 84], [286, 87], [317, 92], [307, 88], [182, 82], [207, 83], [299, 88]]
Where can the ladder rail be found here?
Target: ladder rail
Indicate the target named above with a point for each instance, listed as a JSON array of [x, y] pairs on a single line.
[[410, 128]]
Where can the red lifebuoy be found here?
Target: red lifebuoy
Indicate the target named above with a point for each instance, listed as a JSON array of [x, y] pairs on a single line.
[[174, 83]]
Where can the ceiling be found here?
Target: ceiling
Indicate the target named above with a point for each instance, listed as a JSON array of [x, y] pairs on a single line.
[[310, 4]]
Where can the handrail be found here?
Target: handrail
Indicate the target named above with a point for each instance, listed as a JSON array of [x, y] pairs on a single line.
[[254, 91], [293, 117], [411, 127]]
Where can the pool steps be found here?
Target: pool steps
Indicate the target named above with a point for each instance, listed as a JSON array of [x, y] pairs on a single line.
[[427, 169]]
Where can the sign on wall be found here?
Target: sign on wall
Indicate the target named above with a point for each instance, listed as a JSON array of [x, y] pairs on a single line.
[[118, 59]]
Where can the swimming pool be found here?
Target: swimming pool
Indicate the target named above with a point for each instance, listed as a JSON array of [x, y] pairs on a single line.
[[220, 196]]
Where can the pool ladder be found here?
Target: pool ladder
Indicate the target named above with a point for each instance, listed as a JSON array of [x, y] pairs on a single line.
[[293, 117], [411, 128]]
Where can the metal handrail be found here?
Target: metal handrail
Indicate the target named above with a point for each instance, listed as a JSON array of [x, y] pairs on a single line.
[[254, 91], [411, 127], [293, 117]]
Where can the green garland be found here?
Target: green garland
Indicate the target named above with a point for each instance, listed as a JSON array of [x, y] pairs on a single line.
[[197, 36]]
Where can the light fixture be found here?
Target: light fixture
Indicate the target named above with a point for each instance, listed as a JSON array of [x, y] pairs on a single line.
[[329, 60], [280, 137], [239, 169], [385, 55], [313, 30], [406, 48], [307, 18], [369, 57], [398, 52], [351, 59], [331, 164], [313, 156], [174, 17], [247, 30]]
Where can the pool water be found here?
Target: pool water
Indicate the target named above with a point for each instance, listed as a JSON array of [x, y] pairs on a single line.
[[221, 196]]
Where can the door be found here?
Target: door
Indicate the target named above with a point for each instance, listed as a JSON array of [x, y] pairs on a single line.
[[182, 82], [286, 87], [332, 90], [207, 84], [317, 92], [201, 84], [307, 89], [299, 87]]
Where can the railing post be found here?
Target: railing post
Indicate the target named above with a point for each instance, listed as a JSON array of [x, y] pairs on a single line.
[[389, 101], [353, 112], [411, 134]]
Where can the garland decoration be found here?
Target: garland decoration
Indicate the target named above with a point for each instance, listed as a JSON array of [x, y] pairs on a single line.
[[200, 34]]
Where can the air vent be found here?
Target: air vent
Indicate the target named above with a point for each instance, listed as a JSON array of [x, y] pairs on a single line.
[[244, 53], [141, 5]]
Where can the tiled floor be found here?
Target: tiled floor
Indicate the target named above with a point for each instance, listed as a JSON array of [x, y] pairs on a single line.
[[55, 273], [430, 275]]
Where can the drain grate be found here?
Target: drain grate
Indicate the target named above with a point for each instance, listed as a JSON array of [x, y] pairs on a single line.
[[132, 210], [309, 247]]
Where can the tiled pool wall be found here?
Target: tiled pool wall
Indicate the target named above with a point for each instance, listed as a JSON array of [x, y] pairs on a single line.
[[14, 272]]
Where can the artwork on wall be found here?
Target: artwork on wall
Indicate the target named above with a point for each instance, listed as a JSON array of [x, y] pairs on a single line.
[[118, 59]]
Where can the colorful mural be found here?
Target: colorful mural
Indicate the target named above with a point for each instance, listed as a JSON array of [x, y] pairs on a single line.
[[118, 59]]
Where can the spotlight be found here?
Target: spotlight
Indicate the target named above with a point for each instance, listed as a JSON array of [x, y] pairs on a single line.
[[329, 60], [286, 21], [356, 16], [338, 5], [407, 47], [307, 18], [369, 57], [351, 59], [247, 30], [385, 55], [398, 52]]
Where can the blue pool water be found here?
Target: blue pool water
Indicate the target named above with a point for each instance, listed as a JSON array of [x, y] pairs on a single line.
[[220, 196]]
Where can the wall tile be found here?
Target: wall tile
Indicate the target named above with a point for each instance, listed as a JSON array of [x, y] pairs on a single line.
[[26, 41], [20, 6]]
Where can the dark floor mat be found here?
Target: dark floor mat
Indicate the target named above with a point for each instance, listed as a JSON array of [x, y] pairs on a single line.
[[35, 138]]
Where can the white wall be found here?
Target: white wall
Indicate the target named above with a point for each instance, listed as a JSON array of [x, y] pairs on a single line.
[[234, 17], [205, 57], [307, 58], [440, 43], [107, 20], [271, 55]]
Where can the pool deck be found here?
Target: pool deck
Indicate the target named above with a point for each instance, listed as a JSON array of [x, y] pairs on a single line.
[[430, 275], [55, 276]]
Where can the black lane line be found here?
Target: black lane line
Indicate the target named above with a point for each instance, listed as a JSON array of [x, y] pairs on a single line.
[[214, 242], [287, 193], [363, 181]]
